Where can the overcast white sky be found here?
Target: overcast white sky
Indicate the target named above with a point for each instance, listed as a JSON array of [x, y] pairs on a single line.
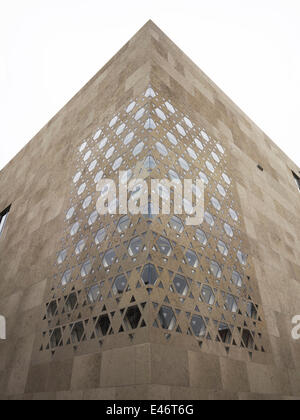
[[50, 48]]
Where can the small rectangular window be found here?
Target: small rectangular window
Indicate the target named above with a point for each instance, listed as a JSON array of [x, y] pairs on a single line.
[[3, 217], [297, 179]]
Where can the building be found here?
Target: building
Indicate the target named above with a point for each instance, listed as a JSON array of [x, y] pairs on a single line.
[[145, 306]]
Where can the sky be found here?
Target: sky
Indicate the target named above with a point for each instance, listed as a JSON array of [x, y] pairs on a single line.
[[49, 49]]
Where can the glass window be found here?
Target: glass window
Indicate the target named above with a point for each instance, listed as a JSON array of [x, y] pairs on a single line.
[[242, 257], [150, 163], [109, 258], [160, 114], [228, 230], [150, 124], [128, 139], [180, 130], [215, 157], [126, 177], [251, 310], [87, 156], [181, 285], [170, 107], [188, 122], [102, 326], [226, 179], [139, 114], [192, 154], [204, 178], [82, 147], [93, 217], [77, 177], [131, 107], [150, 93], [173, 176], [208, 295], [138, 149], [222, 247], [192, 258], [198, 326], [93, 294], [87, 202], [215, 269], [117, 164], [176, 224], [62, 256], [80, 247], [75, 229], [70, 213], [98, 177], [120, 129], [100, 236], [210, 166], [110, 152], [123, 224], [164, 246], [86, 268], [81, 189], [205, 136], [167, 318], [216, 203], [66, 278], [209, 219], [119, 284], [233, 215], [237, 279], [200, 235], [161, 149], [231, 303], [92, 165], [149, 275], [113, 121], [103, 143], [220, 148], [183, 163], [97, 134], [221, 190], [199, 144], [132, 317], [172, 139], [135, 246], [225, 333]]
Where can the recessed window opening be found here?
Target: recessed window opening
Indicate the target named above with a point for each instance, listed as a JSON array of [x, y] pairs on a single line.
[[296, 177], [3, 218]]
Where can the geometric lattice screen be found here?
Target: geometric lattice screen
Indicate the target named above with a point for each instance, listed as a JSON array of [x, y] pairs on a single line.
[[122, 279]]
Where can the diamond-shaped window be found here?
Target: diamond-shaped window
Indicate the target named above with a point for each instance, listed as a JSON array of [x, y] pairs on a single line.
[[77, 332], [192, 258], [86, 268], [222, 247], [208, 295], [62, 256], [80, 247], [248, 339], [242, 257], [181, 285], [164, 246], [225, 333], [109, 258], [135, 246], [149, 274], [149, 163], [52, 309], [119, 284], [93, 293], [100, 236], [71, 302], [123, 224], [215, 269], [167, 318], [56, 338], [251, 310], [237, 279], [231, 303], [176, 224], [198, 326], [102, 325], [200, 235], [66, 278], [132, 317]]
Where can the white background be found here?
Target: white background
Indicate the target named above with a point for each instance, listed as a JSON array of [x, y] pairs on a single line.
[[50, 48]]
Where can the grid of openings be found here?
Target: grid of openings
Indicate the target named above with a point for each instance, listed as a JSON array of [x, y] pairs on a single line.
[[297, 179], [115, 275], [3, 217]]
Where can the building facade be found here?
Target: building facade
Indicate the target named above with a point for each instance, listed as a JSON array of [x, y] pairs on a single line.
[[146, 306]]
